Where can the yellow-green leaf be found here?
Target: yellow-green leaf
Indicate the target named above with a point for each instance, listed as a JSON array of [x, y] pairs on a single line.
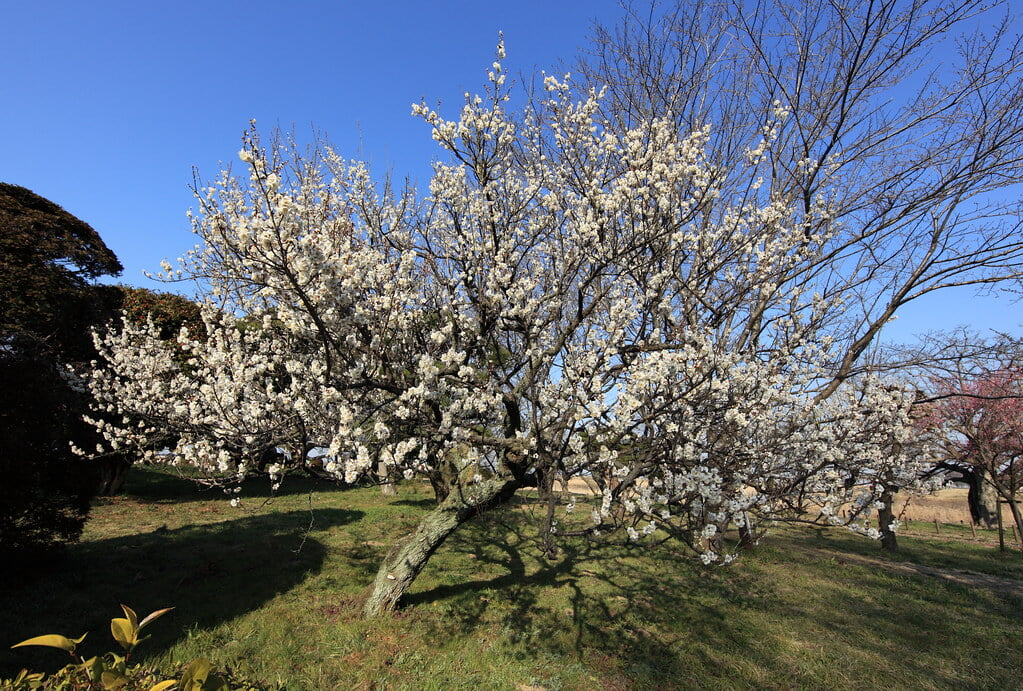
[[117, 662], [26, 677], [93, 667], [123, 632], [154, 615], [53, 640], [164, 685], [132, 617], [196, 672], [216, 683], [113, 680]]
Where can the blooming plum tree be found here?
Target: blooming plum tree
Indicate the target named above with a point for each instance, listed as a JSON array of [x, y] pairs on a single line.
[[570, 298]]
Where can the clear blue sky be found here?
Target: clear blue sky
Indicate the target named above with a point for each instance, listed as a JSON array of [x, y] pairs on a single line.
[[106, 106]]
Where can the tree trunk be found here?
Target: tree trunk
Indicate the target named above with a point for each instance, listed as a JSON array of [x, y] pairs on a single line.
[[441, 487], [1017, 518], [592, 485], [443, 477], [387, 487], [409, 554], [983, 499], [885, 518], [111, 471], [748, 536], [747, 540]]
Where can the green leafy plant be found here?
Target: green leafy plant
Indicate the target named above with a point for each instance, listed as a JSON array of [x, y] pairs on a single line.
[[112, 671]]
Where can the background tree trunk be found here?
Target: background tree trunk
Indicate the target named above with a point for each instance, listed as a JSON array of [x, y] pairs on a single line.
[[111, 471], [885, 518], [983, 499], [387, 488], [443, 477], [1017, 518], [747, 537]]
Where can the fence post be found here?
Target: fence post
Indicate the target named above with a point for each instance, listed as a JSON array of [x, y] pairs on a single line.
[[1001, 530]]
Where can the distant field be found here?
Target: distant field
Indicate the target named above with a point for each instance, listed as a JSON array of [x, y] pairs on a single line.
[[945, 506], [273, 590]]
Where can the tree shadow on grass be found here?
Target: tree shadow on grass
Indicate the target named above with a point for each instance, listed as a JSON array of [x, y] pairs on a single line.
[[940, 634], [594, 603], [653, 619], [155, 485], [427, 503], [933, 552], [209, 573]]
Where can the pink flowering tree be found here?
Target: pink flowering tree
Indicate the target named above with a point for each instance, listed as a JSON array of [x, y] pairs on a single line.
[[977, 424], [567, 299]]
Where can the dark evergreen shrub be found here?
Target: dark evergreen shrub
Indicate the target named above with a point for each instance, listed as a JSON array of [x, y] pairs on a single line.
[[44, 488]]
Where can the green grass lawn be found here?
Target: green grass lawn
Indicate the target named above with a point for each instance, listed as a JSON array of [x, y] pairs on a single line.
[[273, 589]]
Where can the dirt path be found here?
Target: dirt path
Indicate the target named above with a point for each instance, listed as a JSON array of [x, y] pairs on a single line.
[[997, 584]]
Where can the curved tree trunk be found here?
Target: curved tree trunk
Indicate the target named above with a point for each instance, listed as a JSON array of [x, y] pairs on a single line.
[[409, 554]]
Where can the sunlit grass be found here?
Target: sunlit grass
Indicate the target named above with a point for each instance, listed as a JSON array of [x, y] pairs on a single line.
[[273, 589]]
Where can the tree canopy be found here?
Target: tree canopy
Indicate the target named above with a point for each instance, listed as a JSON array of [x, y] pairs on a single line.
[[48, 259], [673, 301], [977, 423]]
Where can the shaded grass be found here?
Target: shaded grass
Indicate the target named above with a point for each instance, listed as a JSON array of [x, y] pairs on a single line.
[[274, 590], [953, 548]]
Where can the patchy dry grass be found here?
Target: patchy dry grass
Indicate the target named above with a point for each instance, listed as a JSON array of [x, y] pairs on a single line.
[[945, 506], [273, 589]]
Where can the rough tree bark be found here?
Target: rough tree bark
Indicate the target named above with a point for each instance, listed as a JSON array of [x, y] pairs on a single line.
[[983, 499], [885, 518], [409, 555]]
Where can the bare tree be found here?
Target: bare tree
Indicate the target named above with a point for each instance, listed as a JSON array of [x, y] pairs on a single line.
[[904, 120]]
